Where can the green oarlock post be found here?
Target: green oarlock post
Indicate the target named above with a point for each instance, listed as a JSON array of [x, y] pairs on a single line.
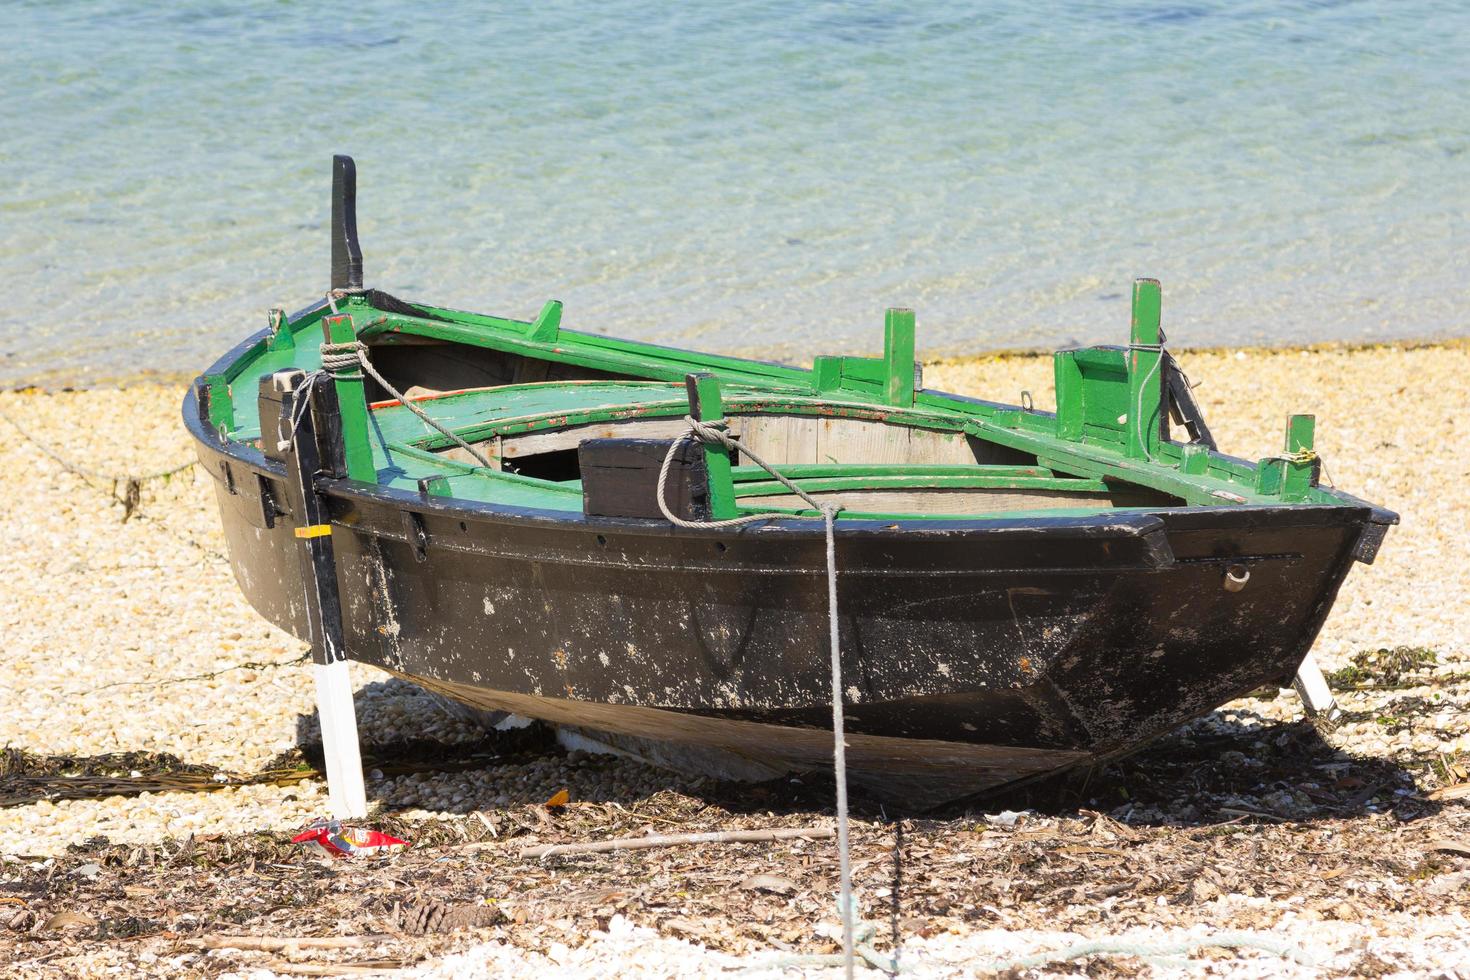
[[1301, 457], [219, 407], [547, 326], [706, 405], [826, 373], [1293, 473], [1068, 374], [434, 486], [898, 357], [1194, 459], [1144, 374], [281, 336], [357, 450], [1301, 434]]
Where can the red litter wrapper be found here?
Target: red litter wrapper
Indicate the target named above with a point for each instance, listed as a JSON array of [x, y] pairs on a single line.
[[345, 842]]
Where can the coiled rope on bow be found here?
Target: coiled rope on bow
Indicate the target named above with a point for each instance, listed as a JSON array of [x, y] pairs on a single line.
[[717, 434], [340, 359]]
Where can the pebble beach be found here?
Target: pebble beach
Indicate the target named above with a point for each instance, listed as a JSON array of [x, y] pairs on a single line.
[[124, 632]]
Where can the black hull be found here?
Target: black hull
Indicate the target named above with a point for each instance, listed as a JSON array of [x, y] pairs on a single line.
[[996, 650]]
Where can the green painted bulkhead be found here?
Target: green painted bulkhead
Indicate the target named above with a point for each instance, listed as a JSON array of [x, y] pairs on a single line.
[[859, 431]]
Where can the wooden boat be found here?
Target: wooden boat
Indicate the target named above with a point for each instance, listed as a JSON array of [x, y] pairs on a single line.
[[1020, 591]]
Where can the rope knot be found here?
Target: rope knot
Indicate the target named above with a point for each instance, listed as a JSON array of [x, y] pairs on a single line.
[[344, 360], [342, 292], [711, 433]]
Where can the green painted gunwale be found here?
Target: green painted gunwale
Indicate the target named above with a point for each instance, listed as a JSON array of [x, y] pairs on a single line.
[[402, 447]]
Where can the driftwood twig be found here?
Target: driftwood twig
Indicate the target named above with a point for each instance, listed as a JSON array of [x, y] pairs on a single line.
[[673, 840], [275, 943], [335, 969]]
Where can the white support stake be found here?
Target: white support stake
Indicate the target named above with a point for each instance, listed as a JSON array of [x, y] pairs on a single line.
[[346, 793], [1312, 688], [291, 392]]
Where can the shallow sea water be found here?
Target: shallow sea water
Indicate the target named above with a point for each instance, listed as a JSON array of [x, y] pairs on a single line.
[[757, 177]]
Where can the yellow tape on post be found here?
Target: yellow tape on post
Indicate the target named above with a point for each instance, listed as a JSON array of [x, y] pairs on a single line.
[[314, 531]]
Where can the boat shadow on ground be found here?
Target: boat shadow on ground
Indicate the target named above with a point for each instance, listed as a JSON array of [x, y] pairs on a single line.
[[1225, 768], [1228, 767]]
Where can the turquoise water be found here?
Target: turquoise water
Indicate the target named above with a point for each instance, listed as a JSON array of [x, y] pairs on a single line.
[[760, 177]]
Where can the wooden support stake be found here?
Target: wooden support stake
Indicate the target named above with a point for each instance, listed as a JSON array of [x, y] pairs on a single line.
[[898, 357], [303, 459], [1145, 404], [1311, 686], [706, 405]]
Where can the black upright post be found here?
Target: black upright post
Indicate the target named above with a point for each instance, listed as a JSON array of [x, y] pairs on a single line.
[[296, 445], [346, 253]]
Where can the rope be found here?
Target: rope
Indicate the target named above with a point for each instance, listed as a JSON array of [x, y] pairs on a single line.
[[131, 497], [342, 293], [340, 359], [716, 434], [92, 475], [1144, 423]]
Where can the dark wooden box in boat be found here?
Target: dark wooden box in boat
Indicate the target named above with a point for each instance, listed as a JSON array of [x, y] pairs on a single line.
[[620, 478]]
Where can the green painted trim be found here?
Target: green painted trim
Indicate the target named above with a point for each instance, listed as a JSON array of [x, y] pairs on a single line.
[[706, 405], [1301, 433], [221, 403], [820, 471], [1145, 376], [826, 374], [1301, 469], [257, 349], [976, 482], [351, 405], [282, 338], [1068, 375], [1004, 515], [742, 401], [1085, 440], [547, 326], [1194, 459], [436, 486], [898, 357], [583, 349]]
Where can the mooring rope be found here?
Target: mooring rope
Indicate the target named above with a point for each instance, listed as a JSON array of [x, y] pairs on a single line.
[[341, 358], [716, 434], [132, 484], [342, 292]]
